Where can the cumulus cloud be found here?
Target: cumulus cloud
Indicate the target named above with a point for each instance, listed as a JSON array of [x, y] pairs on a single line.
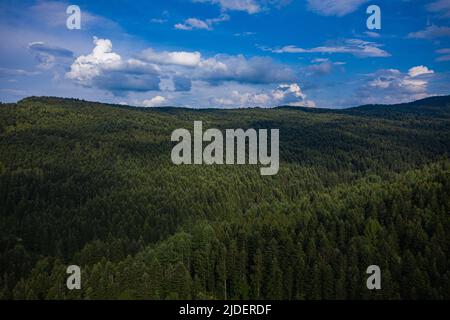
[[171, 71], [431, 32], [156, 101], [292, 95], [256, 70], [181, 58], [418, 71], [394, 79], [223, 67], [102, 58], [120, 82], [334, 7], [194, 23], [356, 47], [284, 94], [182, 83], [237, 99], [394, 86], [106, 69]]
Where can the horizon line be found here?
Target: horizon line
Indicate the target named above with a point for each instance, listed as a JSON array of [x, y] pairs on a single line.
[[217, 108]]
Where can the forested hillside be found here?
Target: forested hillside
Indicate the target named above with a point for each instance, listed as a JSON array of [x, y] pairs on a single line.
[[93, 185]]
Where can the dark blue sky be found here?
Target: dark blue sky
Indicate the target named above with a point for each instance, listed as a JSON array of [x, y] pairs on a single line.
[[226, 53]]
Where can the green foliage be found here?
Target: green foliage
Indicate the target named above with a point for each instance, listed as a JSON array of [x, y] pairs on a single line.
[[93, 185]]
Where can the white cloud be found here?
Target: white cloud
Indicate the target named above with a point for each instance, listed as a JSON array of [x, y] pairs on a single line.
[[222, 18], [87, 67], [284, 94], [419, 70], [156, 101], [242, 100], [431, 32], [171, 71], [356, 47], [249, 6], [394, 86], [396, 80], [222, 67], [181, 58], [194, 23], [441, 7], [334, 7], [256, 70], [289, 93], [106, 70]]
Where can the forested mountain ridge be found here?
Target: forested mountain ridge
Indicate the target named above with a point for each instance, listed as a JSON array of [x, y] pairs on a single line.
[[93, 185], [438, 106]]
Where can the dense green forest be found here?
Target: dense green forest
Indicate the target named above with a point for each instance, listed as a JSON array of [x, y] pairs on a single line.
[[93, 185]]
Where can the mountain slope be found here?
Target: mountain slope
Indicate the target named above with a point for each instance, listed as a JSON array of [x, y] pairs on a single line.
[[92, 184]]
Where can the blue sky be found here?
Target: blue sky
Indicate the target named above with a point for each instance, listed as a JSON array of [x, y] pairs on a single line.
[[226, 53]]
